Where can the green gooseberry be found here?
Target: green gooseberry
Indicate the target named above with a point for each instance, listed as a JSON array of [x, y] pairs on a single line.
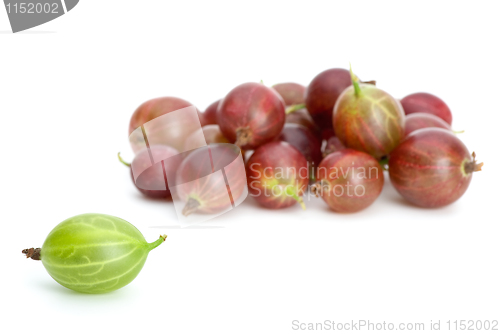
[[94, 253]]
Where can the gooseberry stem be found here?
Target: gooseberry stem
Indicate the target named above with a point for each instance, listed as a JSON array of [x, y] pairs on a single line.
[[458, 132], [300, 200], [154, 244], [294, 107], [32, 253], [122, 161], [293, 193], [473, 166], [369, 82], [355, 82]]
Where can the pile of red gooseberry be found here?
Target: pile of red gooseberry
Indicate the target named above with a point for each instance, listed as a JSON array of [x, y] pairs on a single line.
[[334, 138]]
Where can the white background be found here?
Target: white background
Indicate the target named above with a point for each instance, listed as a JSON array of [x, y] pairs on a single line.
[[69, 87]]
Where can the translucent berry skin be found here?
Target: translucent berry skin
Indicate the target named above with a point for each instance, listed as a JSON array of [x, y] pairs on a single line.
[[428, 168], [263, 175], [291, 92], [371, 122], [212, 135], [422, 120], [304, 141], [152, 109], [151, 178], [251, 114], [323, 92], [427, 103], [349, 181], [95, 253], [210, 114], [193, 181]]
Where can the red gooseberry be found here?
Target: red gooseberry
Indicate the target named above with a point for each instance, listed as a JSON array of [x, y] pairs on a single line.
[[427, 103], [323, 92], [420, 120], [291, 92], [432, 168], [277, 175], [304, 141], [251, 114], [151, 181], [210, 114], [349, 180]]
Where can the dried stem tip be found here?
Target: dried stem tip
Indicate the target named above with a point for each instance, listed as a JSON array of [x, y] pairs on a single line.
[[33, 253], [473, 166], [191, 206], [243, 136], [319, 187]]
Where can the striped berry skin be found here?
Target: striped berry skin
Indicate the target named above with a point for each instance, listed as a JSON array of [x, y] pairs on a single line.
[[211, 133], [149, 181], [199, 179], [432, 168], [277, 175], [251, 114], [427, 103], [370, 121], [95, 253], [422, 120], [348, 180], [152, 109], [322, 93]]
